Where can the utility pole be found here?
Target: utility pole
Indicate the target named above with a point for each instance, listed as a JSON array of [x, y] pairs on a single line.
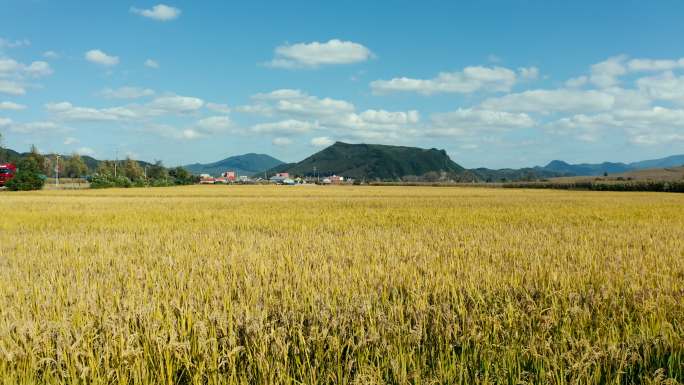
[[57, 170]]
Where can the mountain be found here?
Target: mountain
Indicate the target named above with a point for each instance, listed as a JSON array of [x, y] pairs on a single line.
[[589, 169], [585, 168], [248, 164], [374, 162], [670, 161]]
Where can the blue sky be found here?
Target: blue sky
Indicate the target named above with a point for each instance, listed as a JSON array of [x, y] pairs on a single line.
[[496, 84]]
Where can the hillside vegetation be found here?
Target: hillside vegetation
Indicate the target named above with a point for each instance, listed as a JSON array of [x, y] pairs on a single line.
[[320, 285], [374, 161]]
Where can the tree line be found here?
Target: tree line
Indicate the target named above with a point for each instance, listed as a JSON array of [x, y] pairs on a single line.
[[34, 168]]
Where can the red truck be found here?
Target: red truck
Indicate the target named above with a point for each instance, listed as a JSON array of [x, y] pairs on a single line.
[[7, 171]]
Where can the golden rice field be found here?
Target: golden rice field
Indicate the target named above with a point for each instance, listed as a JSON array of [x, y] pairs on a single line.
[[341, 285]]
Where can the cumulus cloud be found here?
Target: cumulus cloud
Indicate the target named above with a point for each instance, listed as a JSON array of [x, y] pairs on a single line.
[[70, 140], [12, 87], [217, 107], [322, 141], [149, 63], [300, 113], [280, 141], [654, 64], [160, 12], [529, 73], [99, 57], [652, 126], [471, 79], [39, 127], [177, 104], [470, 121], [544, 101], [68, 112], [13, 74], [666, 86], [296, 103], [4, 122], [39, 69], [8, 43], [127, 92], [607, 72], [50, 55], [289, 126], [11, 106], [215, 124], [316, 54]]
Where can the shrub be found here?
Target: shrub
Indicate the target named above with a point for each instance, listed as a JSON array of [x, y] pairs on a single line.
[[28, 177]]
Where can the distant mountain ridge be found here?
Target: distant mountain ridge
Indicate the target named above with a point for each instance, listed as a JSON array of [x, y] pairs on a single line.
[[589, 169], [373, 161], [247, 164]]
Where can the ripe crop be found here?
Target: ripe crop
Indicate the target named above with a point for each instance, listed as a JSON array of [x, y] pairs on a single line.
[[344, 285]]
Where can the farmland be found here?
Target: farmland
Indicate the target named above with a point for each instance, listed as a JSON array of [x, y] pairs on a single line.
[[346, 285]]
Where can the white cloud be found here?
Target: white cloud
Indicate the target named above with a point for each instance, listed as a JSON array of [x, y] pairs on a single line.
[[577, 81], [300, 113], [471, 79], [11, 87], [316, 54], [657, 125], [636, 65], [9, 66], [99, 57], [389, 117], [67, 111], [217, 107], [289, 126], [296, 103], [463, 122], [322, 141], [149, 63], [85, 151], [529, 73], [160, 12], [70, 140], [606, 73], [13, 74], [7, 43], [50, 55], [127, 92], [36, 127], [665, 86], [4, 122], [39, 69], [215, 124], [545, 101], [177, 104], [280, 141], [11, 106]]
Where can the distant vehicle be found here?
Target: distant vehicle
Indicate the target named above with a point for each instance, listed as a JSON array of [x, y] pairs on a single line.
[[7, 172]]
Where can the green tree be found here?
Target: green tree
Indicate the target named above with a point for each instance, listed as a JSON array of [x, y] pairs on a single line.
[[132, 170], [42, 162], [106, 167], [157, 171], [75, 167], [28, 176], [181, 175], [3, 153]]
